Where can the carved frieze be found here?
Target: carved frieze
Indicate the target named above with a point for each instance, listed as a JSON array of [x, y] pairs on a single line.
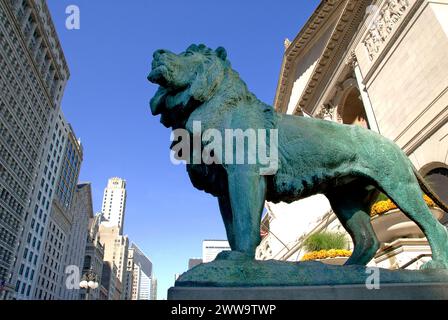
[[382, 25]]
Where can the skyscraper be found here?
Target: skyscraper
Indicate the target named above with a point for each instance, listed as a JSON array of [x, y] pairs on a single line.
[[114, 203], [142, 273], [115, 244], [32, 80]]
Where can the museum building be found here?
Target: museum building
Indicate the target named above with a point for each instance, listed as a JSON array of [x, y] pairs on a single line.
[[381, 65]]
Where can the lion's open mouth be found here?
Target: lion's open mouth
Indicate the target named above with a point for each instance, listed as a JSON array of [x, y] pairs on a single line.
[[158, 75]]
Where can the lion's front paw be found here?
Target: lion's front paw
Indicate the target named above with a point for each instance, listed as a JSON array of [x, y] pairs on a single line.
[[434, 264]]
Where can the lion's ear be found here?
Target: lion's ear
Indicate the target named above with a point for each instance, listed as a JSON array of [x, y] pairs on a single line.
[[221, 53]]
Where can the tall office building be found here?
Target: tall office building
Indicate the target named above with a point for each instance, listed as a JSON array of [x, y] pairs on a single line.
[[116, 245], [153, 292], [82, 213], [211, 248], [141, 273], [33, 74], [129, 281], [51, 278], [29, 251], [114, 203]]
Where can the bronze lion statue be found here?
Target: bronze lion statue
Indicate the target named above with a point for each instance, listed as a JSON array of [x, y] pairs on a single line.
[[350, 165]]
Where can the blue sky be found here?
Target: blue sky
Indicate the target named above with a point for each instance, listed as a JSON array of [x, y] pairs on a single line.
[[107, 103]]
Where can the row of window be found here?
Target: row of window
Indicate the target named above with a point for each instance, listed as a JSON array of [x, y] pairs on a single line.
[[20, 288], [14, 146], [8, 220], [24, 83], [11, 201], [20, 134], [7, 157], [11, 182], [40, 216], [29, 254], [18, 105], [3, 273], [7, 237], [28, 273], [5, 256]]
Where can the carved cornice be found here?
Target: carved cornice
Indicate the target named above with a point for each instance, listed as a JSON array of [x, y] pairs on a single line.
[[53, 34], [311, 27], [351, 17]]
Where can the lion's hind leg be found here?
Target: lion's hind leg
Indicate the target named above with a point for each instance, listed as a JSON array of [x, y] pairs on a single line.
[[351, 204], [409, 198]]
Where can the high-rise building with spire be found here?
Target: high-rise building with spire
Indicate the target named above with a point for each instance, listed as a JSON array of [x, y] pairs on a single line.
[[114, 203], [111, 232]]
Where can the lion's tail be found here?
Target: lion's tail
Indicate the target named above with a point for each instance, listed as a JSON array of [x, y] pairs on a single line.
[[429, 192]]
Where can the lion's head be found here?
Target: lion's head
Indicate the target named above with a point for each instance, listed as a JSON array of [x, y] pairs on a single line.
[[186, 80]]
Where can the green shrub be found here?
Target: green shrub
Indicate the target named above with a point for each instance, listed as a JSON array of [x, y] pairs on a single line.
[[325, 241], [382, 197]]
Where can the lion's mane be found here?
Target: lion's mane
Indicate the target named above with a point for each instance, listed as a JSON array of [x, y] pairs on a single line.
[[216, 91]]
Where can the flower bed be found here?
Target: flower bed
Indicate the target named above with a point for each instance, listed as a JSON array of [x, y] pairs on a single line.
[[326, 254], [382, 207]]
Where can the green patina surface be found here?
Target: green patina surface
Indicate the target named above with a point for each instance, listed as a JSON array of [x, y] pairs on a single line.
[[348, 164]]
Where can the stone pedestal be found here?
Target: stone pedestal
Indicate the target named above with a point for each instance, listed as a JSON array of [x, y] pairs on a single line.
[[401, 291], [234, 277]]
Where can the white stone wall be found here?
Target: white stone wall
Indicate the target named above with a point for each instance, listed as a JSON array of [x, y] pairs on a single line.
[[407, 84]]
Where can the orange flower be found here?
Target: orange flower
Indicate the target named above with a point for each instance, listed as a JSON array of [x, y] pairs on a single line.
[[382, 207], [325, 254]]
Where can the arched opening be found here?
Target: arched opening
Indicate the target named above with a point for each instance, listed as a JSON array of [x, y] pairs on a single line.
[[437, 178], [353, 111]]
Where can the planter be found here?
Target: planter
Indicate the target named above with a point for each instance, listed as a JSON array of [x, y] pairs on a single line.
[[338, 261], [393, 225]]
